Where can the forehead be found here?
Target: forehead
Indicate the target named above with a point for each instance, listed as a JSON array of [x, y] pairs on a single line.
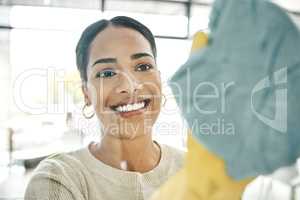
[[114, 41]]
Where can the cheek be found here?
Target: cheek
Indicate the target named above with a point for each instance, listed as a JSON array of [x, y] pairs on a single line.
[[154, 88], [152, 81], [99, 95]]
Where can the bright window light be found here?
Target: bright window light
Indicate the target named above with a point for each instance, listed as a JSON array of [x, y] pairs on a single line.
[[68, 19], [291, 5], [162, 25], [50, 18]]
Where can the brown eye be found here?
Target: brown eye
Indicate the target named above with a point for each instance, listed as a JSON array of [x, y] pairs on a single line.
[[144, 67]]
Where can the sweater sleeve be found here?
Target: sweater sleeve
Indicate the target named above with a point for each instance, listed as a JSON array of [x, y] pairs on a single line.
[[47, 189], [56, 178]]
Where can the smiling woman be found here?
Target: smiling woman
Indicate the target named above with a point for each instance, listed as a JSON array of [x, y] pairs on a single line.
[[117, 62]]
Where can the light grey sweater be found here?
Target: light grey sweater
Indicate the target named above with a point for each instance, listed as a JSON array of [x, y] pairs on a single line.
[[80, 176]]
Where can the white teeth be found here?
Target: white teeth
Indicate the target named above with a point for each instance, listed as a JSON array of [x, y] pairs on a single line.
[[130, 107]]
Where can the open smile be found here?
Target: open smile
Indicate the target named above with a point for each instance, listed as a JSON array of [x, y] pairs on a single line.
[[131, 107]]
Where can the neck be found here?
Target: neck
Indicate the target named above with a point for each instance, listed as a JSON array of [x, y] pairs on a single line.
[[140, 154]]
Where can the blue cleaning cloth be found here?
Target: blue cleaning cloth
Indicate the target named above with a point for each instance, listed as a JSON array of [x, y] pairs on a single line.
[[240, 95]]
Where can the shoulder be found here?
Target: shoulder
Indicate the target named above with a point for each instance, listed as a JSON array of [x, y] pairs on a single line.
[[59, 172], [173, 155], [61, 164], [176, 152]]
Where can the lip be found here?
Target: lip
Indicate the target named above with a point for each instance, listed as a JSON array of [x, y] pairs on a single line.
[[131, 113]]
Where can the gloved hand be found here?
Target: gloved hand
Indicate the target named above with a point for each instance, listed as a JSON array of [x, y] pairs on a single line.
[[239, 96]]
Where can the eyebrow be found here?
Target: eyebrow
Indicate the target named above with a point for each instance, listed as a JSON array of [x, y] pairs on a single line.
[[140, 55], [114, 60], [105, 60]]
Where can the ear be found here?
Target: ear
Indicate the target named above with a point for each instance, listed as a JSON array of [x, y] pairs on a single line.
[[85, 93]]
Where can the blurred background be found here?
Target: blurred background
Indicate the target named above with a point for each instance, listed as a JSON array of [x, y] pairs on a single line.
[[41, 101]]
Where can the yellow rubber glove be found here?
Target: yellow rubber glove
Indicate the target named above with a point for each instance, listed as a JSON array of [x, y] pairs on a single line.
[[203, 176]]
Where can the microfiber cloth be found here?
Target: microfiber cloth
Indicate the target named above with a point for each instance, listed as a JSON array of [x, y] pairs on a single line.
[[240, 94]]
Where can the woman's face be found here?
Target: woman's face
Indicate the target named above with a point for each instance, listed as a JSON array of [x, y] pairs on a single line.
[[124, 83]]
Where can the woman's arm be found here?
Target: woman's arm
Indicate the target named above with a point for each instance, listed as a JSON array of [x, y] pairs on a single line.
[[47, 189], [56, 178]]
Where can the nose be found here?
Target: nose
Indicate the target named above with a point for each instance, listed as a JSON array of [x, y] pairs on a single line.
[[128, 84]]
